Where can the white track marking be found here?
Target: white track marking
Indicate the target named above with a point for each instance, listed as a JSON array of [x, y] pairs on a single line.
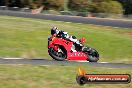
[[103, 62], [88, 61], [82, 61], [12, 58]]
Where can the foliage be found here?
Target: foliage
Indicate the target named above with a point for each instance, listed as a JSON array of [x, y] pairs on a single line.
[[127, 5], [78, 5], [14, 3], [107, 7], [34, 4], [54, 4]]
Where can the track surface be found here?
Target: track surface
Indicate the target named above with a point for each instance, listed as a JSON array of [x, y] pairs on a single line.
[[67, 63], [97, 21]]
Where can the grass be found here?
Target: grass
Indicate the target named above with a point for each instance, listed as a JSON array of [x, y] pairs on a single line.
[[26, 37], [28, 76]]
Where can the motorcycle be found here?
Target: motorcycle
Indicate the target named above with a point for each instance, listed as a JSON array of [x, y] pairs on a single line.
[[60, 49]]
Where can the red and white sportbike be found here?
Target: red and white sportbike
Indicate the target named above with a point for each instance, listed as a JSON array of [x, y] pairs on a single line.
[[61, 49]]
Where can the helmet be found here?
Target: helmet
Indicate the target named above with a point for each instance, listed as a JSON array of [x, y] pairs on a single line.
[[82, 40], [54, 30]]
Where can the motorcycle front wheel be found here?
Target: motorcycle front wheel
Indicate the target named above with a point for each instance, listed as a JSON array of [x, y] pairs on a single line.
[[92, 53]]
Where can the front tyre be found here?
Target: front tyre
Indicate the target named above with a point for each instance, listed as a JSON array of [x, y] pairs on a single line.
[[59, 56], [92, 53]]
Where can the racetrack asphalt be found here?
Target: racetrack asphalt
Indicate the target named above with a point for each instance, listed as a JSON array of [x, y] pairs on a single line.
[[62, 63], [75, 19]]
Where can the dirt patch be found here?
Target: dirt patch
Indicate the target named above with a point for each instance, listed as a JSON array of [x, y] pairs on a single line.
[[129, 33], [124, 32]]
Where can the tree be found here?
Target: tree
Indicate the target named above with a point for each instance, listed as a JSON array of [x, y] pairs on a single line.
[[2, 2], [34, 4], [15, 3], [54, 4], [78, 5], [107, 7], [98, 1], [25, 3], [127, 5]]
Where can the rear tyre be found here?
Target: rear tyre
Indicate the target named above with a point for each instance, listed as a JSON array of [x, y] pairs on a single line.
[[59, 56]]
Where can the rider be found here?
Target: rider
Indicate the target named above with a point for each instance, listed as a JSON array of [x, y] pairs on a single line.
[[54, 30], [77, 44]]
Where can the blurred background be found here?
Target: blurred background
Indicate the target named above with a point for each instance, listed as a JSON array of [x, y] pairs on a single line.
[[85, 8]]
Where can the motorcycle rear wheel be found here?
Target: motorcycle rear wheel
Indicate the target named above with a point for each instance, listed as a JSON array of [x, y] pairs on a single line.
[[57, 55]]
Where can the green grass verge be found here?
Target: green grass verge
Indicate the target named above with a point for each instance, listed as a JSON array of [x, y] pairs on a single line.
[[26, 37], [28, 76]]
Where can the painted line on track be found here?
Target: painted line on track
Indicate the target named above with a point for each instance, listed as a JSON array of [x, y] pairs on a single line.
[[88, 61], [11, 58]]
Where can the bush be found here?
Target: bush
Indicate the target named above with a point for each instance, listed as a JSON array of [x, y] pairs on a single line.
[[78, 5], [54, 4], [53, 12], [67, 13], [33, 4], [127, 5], [116, 7], [108, 7]]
